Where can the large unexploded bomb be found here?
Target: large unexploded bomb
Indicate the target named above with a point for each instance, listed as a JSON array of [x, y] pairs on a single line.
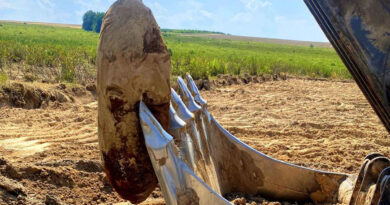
[[133, 65]]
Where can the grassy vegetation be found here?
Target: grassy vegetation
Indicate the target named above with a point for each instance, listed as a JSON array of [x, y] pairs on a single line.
[[209, 57], [46, 46], [73, 52], [3, 78]]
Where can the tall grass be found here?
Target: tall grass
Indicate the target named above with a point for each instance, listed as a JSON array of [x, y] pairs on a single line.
[[209, 57], [48, 46], [3, 78], [73, 52]]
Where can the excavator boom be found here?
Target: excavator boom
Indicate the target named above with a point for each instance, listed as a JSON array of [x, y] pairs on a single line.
[[359, 31]]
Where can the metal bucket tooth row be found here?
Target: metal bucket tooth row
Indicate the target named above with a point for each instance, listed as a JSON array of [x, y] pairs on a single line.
[[178, 182], [198, 161]]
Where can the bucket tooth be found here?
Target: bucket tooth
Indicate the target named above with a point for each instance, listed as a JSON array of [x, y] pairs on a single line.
[[183, 112], [186, 144], [198, 98], [200, 128], [197, 128], [189, 117], [179, 184], [194, 90], [195, 133], [175, 122], [186, 96], [177, 128]]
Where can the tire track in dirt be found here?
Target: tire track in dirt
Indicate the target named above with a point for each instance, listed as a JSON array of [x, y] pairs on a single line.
[[53, 153], [26, 132]]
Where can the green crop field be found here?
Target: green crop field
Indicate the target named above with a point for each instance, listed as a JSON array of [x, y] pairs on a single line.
[[49, 47], [72, 51]]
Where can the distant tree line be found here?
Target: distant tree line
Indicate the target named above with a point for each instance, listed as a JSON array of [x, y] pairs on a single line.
[[92, 21]]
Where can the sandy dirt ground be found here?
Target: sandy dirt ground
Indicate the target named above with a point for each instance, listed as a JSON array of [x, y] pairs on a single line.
[[319, 124], [51, 155]]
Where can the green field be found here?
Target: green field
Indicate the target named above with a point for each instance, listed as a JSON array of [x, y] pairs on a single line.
[[73, 50]]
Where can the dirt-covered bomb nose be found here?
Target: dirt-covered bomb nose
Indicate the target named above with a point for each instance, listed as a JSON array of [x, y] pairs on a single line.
[[133, 65]]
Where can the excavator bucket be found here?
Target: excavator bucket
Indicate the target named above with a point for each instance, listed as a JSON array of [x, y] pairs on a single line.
[[197, 161]]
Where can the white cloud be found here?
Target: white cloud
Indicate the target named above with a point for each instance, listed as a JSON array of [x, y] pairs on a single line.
[[296, 28], [82, 6], [250, 13], [206, 13], [243, 17], [254, 5], [158, 10], [95, 5], [194, 4], [45, 4], [190, 14], [5, 5]]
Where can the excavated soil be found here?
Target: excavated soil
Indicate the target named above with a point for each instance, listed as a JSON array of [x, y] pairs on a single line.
[[50, 155]]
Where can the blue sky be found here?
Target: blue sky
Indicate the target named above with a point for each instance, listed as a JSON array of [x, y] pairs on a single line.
[[285, 19]]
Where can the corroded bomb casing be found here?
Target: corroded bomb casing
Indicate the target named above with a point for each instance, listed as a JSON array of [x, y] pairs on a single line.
[[133, 65]]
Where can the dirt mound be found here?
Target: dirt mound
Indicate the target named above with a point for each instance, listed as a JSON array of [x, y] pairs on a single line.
[[23, 96], [34, 96], [12, 187], [228, 80], [50, 200], [89, 166], [56, 177], [17, 181], [203, 84]]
